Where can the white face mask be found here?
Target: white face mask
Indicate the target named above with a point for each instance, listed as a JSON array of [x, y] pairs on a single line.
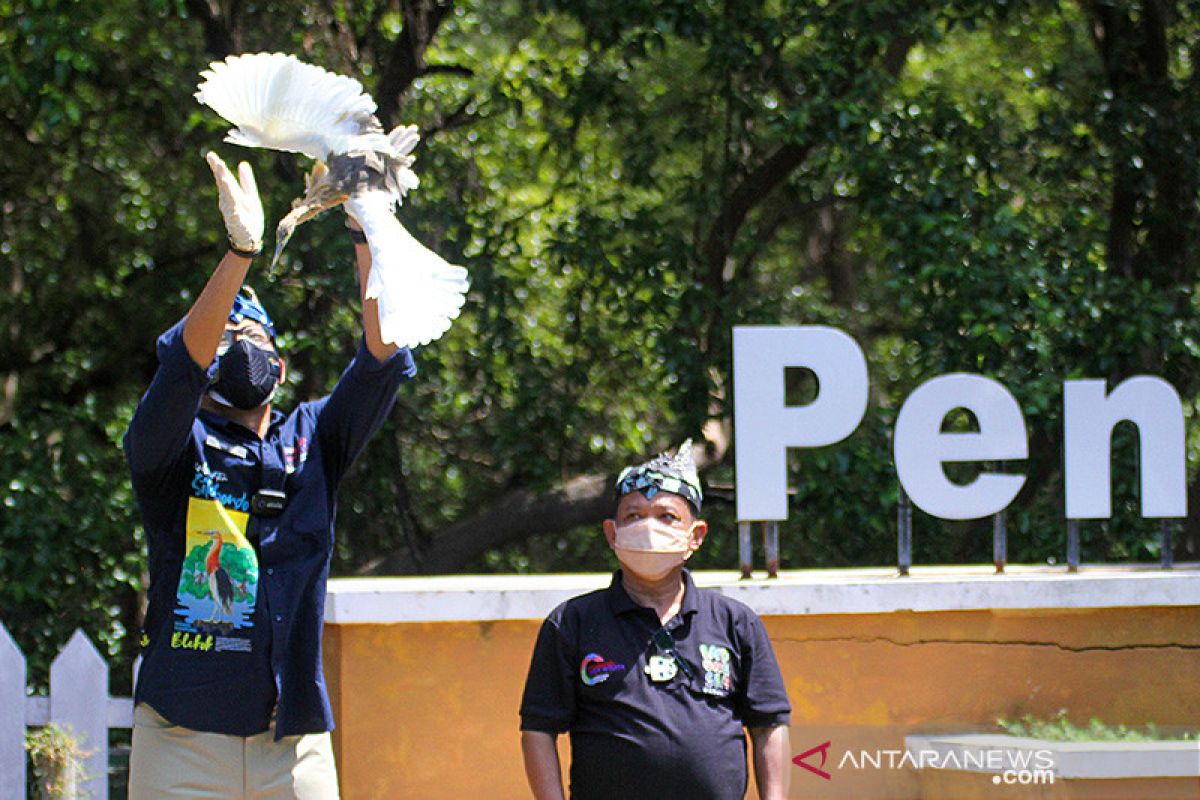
[[651, 549]]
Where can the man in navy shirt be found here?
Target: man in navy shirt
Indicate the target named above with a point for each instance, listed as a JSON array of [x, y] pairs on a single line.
[[655, 679], [238, 503]]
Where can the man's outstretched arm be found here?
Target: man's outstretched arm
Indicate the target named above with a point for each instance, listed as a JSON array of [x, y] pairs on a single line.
[[163, 419], [370, 308], [243, 214]]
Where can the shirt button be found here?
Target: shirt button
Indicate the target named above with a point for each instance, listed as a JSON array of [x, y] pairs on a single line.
[[270, 570], [279, 617]]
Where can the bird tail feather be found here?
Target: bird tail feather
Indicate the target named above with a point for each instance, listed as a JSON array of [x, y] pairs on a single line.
[[419, 293]]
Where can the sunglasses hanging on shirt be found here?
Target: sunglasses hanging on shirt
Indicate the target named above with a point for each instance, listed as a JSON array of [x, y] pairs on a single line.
[[666, 661]]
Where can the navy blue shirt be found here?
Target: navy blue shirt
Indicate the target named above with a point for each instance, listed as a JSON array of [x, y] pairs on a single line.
[[633, 736], [236, 601]]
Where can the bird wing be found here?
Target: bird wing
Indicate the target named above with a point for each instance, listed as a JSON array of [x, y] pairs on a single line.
[[279, 102], [398, 178], [224, 589], [419, 293]]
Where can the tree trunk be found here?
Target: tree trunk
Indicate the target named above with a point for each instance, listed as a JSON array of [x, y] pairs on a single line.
[[585, 500]]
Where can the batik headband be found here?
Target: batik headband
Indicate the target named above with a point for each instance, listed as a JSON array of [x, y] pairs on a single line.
[[247, 306], [666, 472]]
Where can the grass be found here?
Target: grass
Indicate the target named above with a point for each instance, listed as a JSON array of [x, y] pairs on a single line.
[[57, 761], [1061, 729]]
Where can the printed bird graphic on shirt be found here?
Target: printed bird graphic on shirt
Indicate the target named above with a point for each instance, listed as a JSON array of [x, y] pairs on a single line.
[[220, 587]]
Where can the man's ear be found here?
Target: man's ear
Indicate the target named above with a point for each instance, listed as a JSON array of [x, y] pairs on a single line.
[[610, 532], [699, 531], [282, 371]]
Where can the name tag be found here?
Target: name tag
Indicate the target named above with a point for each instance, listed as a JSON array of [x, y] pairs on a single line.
[[235, 450]]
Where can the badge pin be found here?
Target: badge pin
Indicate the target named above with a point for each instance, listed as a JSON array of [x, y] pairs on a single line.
[[718, 675], [661, 668]]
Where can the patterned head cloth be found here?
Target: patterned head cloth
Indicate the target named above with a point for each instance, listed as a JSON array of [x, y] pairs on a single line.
[[247, 306], [667, 472]]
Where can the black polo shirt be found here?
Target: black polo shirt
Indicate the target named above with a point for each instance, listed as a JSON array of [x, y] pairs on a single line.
[[632, 736]]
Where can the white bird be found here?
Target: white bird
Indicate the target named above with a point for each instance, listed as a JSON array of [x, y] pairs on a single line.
[[279, 102]]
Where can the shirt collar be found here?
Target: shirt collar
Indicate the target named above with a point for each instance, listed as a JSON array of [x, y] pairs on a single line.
[[621, 603], [227, 425], [689, 606]]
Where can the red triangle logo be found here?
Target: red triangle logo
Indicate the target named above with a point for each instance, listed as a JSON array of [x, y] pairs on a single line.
[[823, 749]]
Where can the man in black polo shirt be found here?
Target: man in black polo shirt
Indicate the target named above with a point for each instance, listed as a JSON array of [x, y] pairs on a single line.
[[654, 678]]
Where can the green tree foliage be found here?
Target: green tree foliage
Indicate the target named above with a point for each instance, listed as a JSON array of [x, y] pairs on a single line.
[[1007, 188]]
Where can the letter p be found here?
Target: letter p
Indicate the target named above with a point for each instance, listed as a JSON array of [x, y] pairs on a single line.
[[765, 425]]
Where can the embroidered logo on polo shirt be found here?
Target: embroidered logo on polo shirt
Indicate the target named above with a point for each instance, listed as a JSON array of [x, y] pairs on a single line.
[[295, 455], [718, 669], [595, 668]]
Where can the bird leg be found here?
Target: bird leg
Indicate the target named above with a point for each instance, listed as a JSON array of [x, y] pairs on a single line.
[[314, 177]]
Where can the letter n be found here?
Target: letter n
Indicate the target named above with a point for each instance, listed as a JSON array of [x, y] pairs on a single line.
[[1089, 417]]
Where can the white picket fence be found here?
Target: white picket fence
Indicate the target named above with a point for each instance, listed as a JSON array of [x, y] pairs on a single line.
[[78, 698]]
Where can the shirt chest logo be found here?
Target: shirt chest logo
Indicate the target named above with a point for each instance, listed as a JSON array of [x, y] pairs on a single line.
[[595, 669], [211, 485], [295, 455], [718, 669]]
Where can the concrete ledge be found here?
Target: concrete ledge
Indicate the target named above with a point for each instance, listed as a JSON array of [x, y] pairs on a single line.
[[996, 753], [832, 591]]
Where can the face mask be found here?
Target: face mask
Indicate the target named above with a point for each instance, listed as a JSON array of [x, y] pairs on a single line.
[[649, 566], [247, 376], [650, 549]]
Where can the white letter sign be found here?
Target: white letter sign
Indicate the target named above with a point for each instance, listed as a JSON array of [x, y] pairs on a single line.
[[921, 447], [765, 426], [1089, 416]]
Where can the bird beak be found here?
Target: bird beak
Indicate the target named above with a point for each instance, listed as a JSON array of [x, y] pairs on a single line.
[[275, 259], [282, 234]]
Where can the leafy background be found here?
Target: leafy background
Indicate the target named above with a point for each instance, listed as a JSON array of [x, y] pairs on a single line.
[[1005, 187]]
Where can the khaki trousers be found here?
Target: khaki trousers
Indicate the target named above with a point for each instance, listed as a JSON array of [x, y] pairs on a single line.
[[168, 761]]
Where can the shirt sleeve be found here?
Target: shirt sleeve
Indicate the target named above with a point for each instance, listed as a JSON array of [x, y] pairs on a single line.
[[548, 704], [161, 426], [358, 405], [763, 701]]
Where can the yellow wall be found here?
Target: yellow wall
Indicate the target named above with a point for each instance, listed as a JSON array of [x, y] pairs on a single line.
[[429, 710]]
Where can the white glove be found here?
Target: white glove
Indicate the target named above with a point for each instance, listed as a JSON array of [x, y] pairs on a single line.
[[240, 204]]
